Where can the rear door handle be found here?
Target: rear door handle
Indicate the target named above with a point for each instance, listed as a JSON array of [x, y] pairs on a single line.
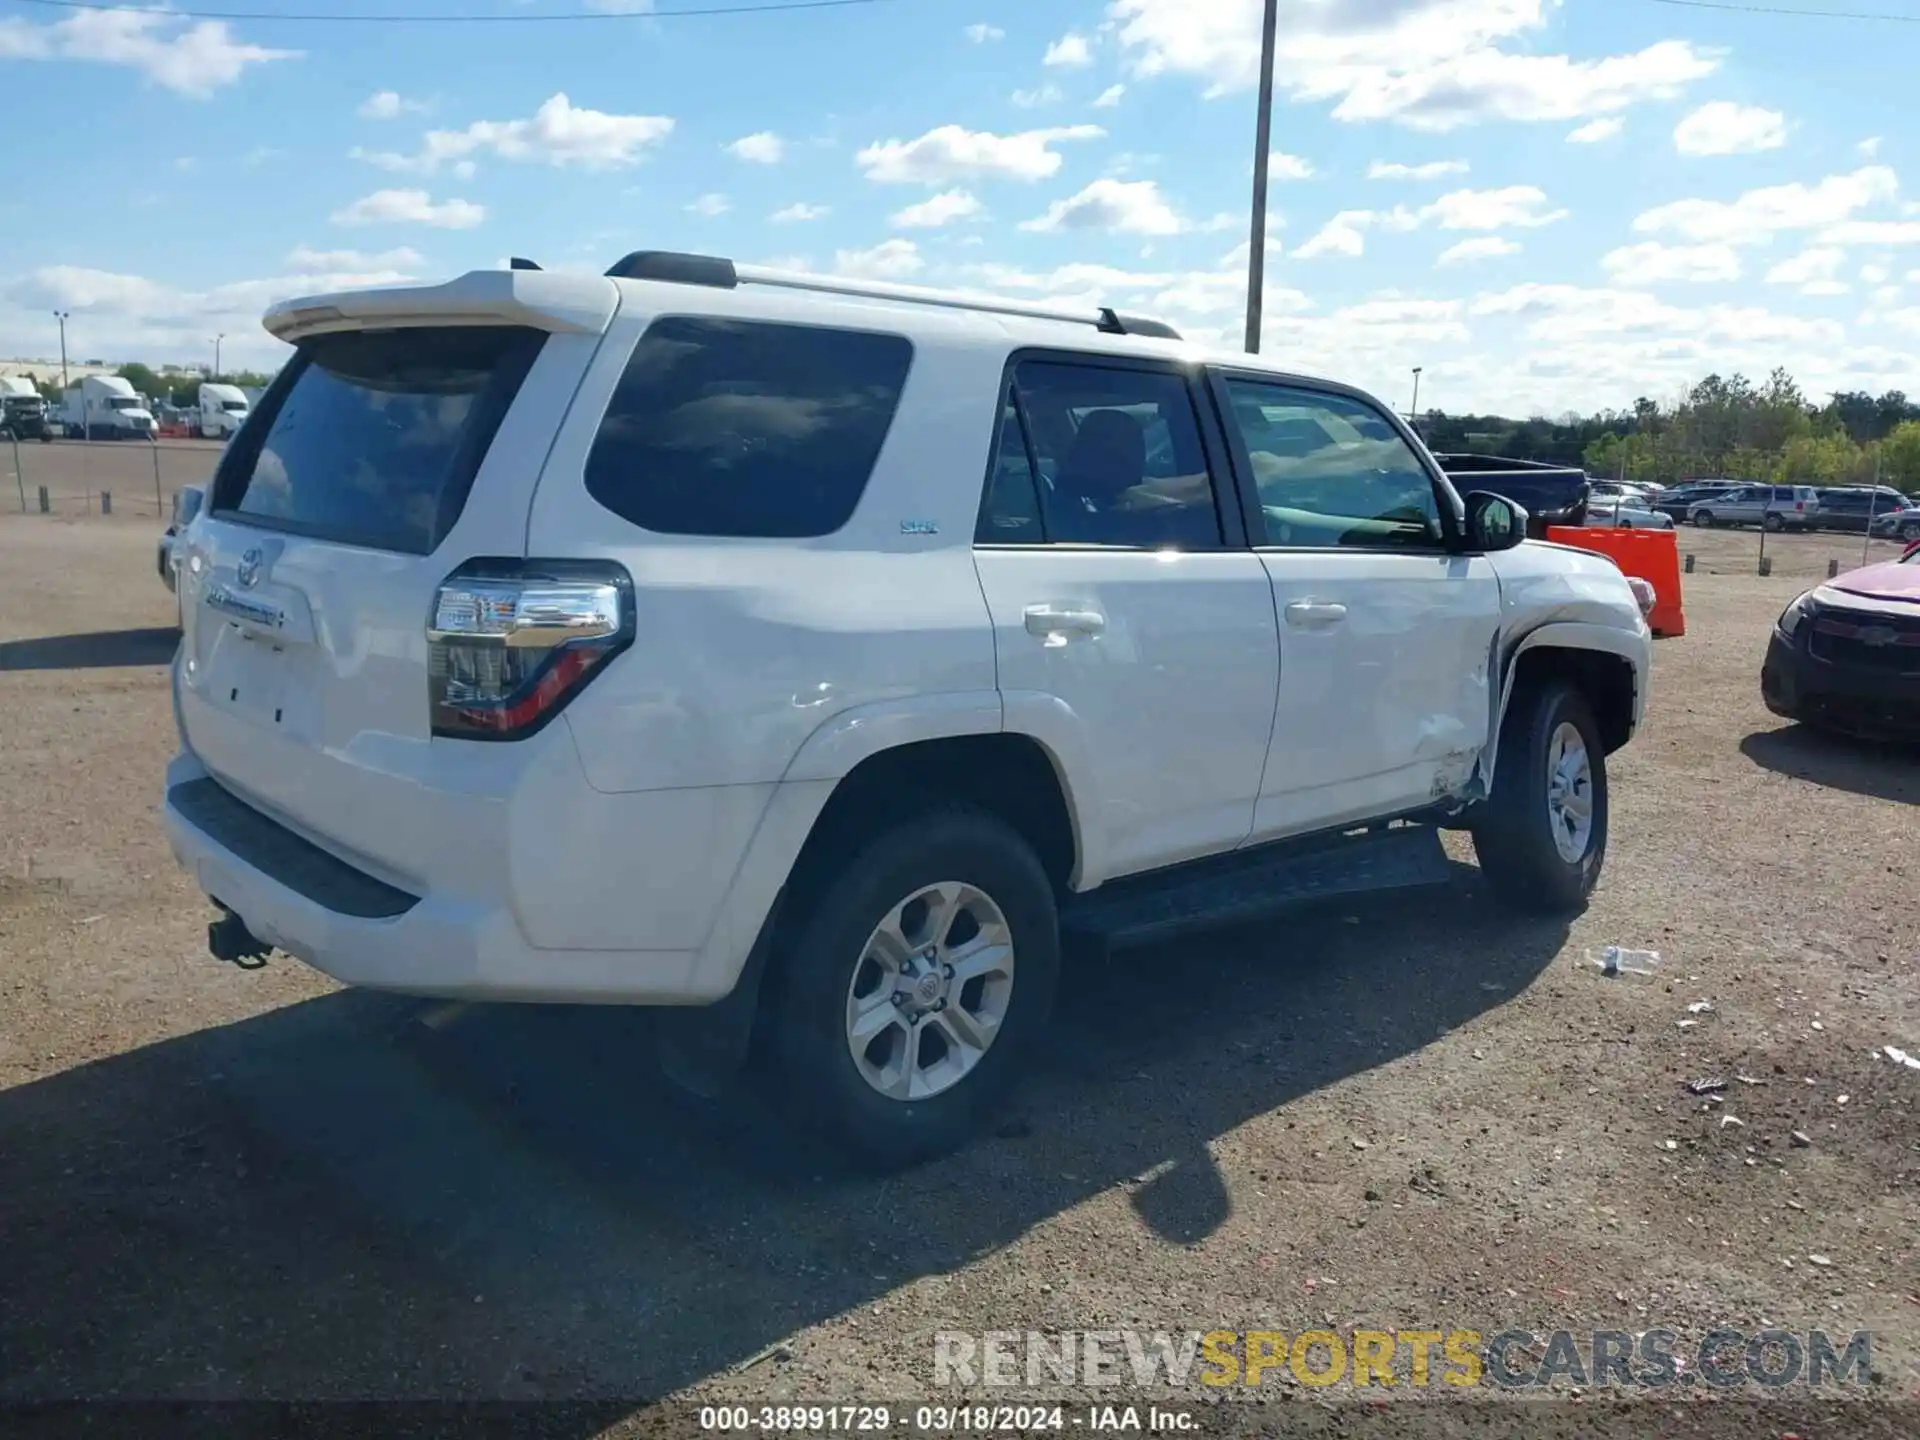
[[1315, 614], [1044, 620]]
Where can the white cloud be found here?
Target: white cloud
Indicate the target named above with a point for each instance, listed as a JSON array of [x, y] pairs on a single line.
[[1109, 97], [1522, 205], [1561, 313], [1282, 166], [709, 205], [1755, 216], [952, 152], [306, 258], [985, 34], [1874, 274], [410, 207], [1814, 271], [1428, 64], [1045, 95], [799, 212], [558, 133], [1131, 207], [189, 59], [1721, 127], [1344, 234], [938, 210], [1872, 232], [1070, 52], [761, 148], [1594, 131], [889, 260], [1431, 170], [1869, 147], [389, 105], [1651, 262], [1483, 247]]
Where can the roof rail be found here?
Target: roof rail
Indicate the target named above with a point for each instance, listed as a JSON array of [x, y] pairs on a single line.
[[720, 273]]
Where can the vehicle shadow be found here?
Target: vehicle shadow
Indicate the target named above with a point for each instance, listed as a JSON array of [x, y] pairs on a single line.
[[1865, 767], [360, 1196], [96, 650]]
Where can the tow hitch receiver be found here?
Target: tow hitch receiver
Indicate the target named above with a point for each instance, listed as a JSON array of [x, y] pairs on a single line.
[[229, 939]]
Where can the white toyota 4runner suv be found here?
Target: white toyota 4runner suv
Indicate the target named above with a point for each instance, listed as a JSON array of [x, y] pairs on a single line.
[[808, 657]]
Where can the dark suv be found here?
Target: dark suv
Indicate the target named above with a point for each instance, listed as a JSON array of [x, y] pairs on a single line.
[[1852, 507]]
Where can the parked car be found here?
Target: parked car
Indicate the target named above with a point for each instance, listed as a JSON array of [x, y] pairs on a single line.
[[1777, 507], [1846, 655], [757, 643], [1678, 500], [1627, 513], [1903, 523], [1550, 494], [1851, 507]]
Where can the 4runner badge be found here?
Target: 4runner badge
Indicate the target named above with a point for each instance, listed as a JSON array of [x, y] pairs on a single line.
[[919, 527]]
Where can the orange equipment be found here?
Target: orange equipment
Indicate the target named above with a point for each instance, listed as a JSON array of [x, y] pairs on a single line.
[[1653, 555]]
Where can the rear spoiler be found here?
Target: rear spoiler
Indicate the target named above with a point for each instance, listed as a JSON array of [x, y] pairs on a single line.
[[543, 300]]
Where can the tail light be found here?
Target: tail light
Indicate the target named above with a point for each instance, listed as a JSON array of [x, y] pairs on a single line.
[[512, 641]]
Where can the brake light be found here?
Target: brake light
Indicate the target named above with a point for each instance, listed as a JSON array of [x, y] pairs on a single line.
[[511, 642]]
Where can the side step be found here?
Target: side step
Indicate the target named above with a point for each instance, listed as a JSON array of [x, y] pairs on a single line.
[[1248, 885]]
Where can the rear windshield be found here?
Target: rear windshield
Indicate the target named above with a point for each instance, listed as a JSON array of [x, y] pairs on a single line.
[[731, 427], [373, 437]]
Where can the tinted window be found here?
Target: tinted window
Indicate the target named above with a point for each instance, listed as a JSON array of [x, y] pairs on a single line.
[[1331, 471], [374, 437], [1115, 457], [730, 427], [1010, 511]]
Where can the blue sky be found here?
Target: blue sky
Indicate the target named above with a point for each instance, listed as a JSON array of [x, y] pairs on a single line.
[[1546, 205]]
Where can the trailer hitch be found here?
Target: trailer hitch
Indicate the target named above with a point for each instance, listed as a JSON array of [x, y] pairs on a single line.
[[229, 939]]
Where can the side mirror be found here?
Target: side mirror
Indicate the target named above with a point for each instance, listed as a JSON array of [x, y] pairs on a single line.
[[1494, 522], [188, 501]]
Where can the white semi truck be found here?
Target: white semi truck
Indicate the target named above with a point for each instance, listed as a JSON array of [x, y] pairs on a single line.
[[105, 407], [23, 414], [222, 409]]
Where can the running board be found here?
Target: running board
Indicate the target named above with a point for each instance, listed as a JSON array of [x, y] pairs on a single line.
[[1248, 885]]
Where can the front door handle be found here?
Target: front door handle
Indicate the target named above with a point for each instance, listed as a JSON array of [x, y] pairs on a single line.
[[1315, 614], [1045, 620]]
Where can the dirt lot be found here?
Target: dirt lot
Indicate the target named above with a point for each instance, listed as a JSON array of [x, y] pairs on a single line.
[[138, 477], [217, 1184]]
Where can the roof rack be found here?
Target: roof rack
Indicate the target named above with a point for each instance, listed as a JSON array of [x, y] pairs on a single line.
[[720, 273]]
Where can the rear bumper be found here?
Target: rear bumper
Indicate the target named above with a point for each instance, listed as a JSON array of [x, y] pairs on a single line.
[[1797, 686], [362, 930]]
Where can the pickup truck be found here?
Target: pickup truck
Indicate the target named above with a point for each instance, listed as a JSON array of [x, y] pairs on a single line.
[[1550, 494]]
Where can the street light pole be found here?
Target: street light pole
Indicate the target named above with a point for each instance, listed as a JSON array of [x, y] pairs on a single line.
[[216, 354], [1257, 243], [1413, 410], [62, 317]]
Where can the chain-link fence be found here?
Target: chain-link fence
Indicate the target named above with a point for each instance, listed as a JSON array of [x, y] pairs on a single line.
[[77, 477]]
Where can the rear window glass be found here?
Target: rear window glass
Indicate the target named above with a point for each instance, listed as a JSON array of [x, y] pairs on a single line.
[[373, 437], [744, 428]]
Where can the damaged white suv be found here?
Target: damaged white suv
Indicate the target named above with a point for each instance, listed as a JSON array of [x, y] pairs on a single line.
[[808, 657]]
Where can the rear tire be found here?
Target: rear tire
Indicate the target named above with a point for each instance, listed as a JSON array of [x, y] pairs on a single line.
[[860, 966], [1535, 848]]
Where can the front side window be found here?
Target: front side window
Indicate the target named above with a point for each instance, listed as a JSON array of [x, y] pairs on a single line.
[[745, 427], [1105, 456], [1330, 470]]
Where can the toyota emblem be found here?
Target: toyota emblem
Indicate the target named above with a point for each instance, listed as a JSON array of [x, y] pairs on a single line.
[[248, 573]]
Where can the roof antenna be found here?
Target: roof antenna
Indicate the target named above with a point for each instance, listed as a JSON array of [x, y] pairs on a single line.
[[520, 262]]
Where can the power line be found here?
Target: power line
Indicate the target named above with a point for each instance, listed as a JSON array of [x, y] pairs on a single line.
[[1744, 9], [335, 17]]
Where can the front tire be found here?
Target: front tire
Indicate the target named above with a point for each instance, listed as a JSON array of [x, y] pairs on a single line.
[[1773, 522], [1703, 519], [898, 1016], [1543, 838]]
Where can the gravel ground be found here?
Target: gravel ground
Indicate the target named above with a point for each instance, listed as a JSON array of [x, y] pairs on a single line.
[[218, 1184], [140, 477]]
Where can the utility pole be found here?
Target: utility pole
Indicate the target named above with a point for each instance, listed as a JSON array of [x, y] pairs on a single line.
[[1257, 243], [216, 355], [62, 316], [1413, 410]]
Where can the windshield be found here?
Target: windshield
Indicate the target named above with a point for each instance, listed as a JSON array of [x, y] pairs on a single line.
[[234, 407], [119, 404]]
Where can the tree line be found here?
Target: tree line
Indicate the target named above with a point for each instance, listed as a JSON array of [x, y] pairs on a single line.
[[1721, 428]]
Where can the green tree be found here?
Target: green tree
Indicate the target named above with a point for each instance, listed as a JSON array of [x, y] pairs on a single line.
[[1900, 456], [142, 379]]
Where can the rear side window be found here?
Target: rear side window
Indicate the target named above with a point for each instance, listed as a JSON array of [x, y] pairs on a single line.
[[373, 437], [746, 428]]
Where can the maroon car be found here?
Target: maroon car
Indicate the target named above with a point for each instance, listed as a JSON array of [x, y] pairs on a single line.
[[1846, 654]]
